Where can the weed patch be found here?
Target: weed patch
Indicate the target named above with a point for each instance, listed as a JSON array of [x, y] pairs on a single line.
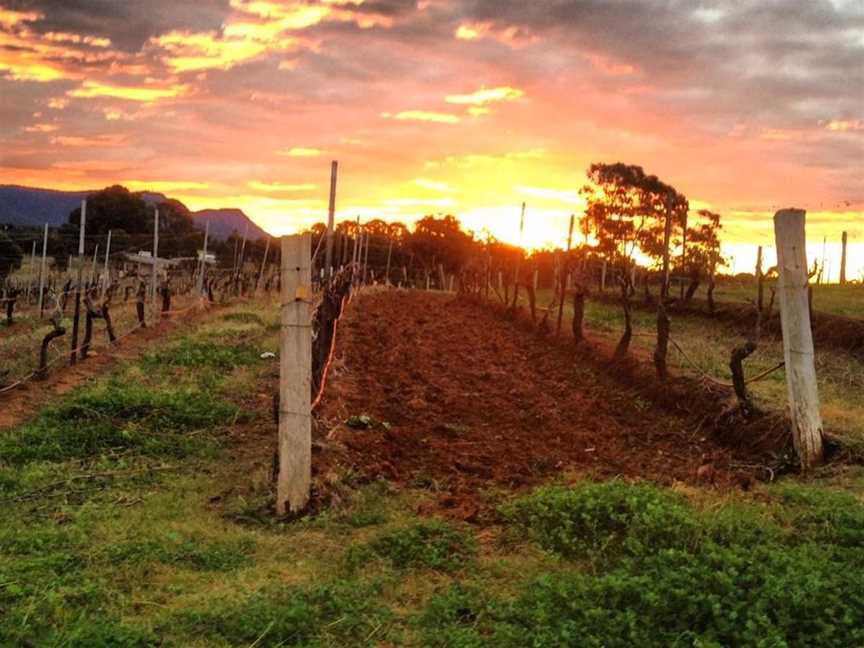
[[244, 318], [190, 553], [339, 614], [424, 545], [679, 576], [605, 520], [196, 353], [115, 417], [823, 515]]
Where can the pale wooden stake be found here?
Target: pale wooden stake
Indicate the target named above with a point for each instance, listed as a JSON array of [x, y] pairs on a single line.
[[564, 276], [74, 355], [519, 258], [204, 258], [32, 265], [389, 254], [155, 253], [263, 265], [357, 237], [366, 255], [760, 287], [789, 232], [42, 270], [331, 218], [105, 275], [242, 251], [295, 377], [844, 240], [93, 267]]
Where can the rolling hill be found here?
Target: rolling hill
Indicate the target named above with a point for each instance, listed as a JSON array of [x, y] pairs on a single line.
[[33, 207]]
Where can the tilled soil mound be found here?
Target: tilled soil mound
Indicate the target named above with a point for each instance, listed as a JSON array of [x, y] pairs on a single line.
[[460, 399]]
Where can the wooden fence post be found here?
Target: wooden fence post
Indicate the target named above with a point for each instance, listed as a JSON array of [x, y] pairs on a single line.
[[81, 225], [263, 265], [331, 218], [105, 274], [789, 232], [564, 276], [295, 377], [42, 272], [389, 254], [518, 259], [155, 253], [760, 282], [844, 240]]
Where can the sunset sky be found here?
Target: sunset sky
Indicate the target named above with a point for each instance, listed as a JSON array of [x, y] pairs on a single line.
[[455, 106]]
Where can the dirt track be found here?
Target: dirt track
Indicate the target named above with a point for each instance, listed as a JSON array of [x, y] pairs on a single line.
[[473, 401]]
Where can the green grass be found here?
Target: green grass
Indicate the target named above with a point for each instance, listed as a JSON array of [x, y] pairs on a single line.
[[332, 614], [832, 298], [660, 572], [427, 544], [118, 416], [111, 537], [190, 353]]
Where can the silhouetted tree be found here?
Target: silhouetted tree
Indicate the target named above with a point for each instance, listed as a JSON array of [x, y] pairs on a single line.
[[627, 211], [440, 240], [10, 256]]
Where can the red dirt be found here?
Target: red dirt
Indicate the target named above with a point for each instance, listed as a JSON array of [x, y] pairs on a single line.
[[472, 401]]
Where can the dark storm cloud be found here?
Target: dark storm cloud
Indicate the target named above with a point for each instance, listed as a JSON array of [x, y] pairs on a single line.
[[387, 7], [721, 45], [128, 23]]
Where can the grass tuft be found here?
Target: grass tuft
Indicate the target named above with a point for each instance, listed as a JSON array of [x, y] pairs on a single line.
[[604, 520], [338, 614], [197, 354], [429, 544], [117, 417]]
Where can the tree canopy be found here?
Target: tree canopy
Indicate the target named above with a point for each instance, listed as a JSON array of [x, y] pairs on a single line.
[[626, 211], [10, 256]]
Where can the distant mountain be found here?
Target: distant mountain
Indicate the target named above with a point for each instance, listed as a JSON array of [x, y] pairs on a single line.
[[225, 221], [34, 207]]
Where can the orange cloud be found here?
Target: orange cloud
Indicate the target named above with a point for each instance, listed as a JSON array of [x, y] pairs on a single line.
[[423, 115], [11, 18], [97, 141], [63, 37], [147, 94], [192, 52], [299, 151], [163, 185], [843, 125], [511, 36], [280, 187], [485, 95], [42, 128], [433, 185]]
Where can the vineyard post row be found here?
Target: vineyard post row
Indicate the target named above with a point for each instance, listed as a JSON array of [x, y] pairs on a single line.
[[793, 278]]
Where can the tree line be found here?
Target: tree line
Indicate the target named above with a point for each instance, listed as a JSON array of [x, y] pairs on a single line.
[[623, 225]]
